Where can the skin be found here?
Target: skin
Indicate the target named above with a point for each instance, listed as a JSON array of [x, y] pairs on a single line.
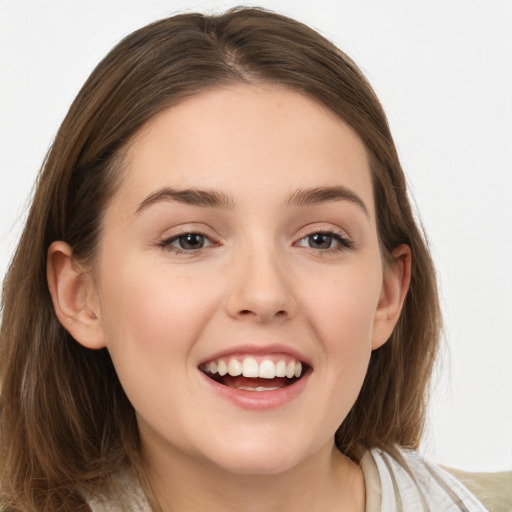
[[161, 310]]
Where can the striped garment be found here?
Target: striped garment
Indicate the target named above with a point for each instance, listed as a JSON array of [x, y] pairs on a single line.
[[411, 485]]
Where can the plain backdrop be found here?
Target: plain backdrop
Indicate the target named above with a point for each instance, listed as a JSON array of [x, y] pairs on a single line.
[[443, 71]]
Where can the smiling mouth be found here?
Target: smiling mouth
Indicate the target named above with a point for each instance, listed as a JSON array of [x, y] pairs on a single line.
[[249, 374]]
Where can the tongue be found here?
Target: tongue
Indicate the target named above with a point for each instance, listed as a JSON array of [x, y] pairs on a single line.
[[246, 382]]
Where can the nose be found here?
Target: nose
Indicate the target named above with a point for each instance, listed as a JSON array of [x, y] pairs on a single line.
[[261, 288]]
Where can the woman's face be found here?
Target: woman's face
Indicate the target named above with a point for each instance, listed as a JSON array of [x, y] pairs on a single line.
[[242, 239]]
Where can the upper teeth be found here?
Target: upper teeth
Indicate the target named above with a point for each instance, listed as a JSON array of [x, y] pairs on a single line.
[[249, 367]]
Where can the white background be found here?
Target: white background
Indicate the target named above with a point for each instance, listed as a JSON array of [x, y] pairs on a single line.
[[442, 69]]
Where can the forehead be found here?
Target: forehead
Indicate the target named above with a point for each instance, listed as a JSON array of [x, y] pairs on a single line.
[[268, 138]]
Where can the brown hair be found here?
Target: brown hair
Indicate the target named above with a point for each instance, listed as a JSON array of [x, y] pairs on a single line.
[[66, 425]]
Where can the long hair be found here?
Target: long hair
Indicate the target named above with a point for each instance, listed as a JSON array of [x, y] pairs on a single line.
[[66, 425]]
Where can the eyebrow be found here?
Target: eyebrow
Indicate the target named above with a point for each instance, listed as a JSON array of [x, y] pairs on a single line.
[[191, 196], [319, 195], [219, 199]]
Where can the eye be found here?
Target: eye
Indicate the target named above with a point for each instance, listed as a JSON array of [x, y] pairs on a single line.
[[324, 241], [188, 242]]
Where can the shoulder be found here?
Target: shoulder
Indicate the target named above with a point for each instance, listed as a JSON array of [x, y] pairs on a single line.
[[494, 490], [408, 481]]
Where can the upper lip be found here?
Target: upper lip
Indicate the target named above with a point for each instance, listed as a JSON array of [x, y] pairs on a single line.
[[251, 349]]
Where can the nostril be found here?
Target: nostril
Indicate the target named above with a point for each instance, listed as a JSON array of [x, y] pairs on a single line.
[[247, 312]]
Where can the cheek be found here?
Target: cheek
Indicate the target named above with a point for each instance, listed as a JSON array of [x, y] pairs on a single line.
[[152, 319], [343, 310], [150, 316], [342, 316]]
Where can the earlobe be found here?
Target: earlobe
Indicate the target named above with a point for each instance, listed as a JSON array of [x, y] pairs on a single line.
[[72, 297], [394, 290]]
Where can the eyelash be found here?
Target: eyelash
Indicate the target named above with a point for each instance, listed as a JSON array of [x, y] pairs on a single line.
[[343, 242], [166, 244]]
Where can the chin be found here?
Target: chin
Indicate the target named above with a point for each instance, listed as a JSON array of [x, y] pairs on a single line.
[[259, 463], [261, 456]]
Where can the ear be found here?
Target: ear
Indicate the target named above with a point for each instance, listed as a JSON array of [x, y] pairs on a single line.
[[74, 296], [395, 284]]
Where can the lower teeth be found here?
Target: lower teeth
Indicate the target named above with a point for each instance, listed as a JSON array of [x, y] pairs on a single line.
[[259, 388]]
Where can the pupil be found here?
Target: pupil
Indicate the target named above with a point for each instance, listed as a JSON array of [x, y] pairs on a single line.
[[191, 241], [320, 241]]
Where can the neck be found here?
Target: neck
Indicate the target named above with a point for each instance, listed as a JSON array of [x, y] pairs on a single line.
[[326, 481]]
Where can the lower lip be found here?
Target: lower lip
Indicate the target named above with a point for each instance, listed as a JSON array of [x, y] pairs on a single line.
[[258, 400]]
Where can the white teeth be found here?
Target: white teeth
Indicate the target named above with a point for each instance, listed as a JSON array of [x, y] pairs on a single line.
[[222, 368], [267, 370], [281, 369], [259, 388], [250, 367], [234, 368]]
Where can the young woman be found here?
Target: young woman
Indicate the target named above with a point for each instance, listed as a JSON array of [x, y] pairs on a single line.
[[221, 299]]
